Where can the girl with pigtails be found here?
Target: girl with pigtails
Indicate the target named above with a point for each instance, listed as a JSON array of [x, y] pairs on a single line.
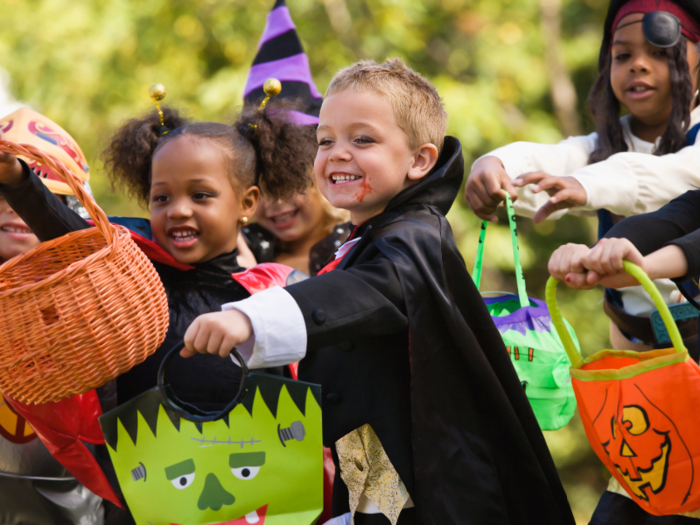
[[305, 230], [632, 164], [201, 182]]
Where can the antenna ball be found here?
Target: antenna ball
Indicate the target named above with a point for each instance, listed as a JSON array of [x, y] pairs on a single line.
[[157, 91], [272, 87]]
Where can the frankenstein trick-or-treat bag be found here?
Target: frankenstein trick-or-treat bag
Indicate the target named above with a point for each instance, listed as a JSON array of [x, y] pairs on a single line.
[[259, 461], [534, 346], [640, 412]]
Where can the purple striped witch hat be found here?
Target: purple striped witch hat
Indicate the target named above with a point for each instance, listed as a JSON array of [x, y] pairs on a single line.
[[281, 56]]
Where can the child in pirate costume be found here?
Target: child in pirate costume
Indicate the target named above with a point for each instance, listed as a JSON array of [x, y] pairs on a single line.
[[305, 230], [632, 164], [421, 405], [34, 487]]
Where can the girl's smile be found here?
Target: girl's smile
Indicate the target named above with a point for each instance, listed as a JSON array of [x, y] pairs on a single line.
[[195, 210], [183, 236], [285, 219]]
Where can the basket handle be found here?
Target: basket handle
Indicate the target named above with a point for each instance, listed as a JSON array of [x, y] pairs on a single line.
[[478, 263], [186, 410], [639, 274], [76, 185]]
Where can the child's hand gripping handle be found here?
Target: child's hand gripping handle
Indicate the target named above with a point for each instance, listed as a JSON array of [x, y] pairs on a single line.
[[75, 184], [186, 410], [636, 272]]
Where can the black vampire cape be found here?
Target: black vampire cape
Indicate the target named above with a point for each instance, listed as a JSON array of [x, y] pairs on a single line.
[[472, 452]]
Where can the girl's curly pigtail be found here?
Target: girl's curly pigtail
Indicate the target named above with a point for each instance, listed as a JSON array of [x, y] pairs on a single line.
[[284, 151], [128, 157]]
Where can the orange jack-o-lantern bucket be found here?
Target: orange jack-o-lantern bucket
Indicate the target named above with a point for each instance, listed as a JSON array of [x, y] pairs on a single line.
[[640, 412]]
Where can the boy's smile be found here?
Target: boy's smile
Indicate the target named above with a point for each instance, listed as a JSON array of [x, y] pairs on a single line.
[[364, 159]]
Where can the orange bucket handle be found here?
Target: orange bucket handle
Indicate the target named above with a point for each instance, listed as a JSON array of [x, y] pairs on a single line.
[[639, 274], [75, 184]]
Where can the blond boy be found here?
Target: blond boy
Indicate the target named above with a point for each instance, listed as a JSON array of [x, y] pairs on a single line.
[[426, 418]]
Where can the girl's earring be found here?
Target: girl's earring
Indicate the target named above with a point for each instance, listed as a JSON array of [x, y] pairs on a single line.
[[243, 220]]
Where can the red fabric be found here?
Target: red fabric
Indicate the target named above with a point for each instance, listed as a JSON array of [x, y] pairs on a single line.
[[335, 262], [328, 477], [263, 276], [691, 28], [330, 266], [64, 427]]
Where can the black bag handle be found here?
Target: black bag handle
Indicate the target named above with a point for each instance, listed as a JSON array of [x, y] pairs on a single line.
[[186, 410]]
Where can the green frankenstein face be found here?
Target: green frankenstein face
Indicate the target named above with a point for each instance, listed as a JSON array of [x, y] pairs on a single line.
[[263, 464]]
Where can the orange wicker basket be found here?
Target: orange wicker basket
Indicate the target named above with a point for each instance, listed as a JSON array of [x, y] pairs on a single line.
[[79, 310]]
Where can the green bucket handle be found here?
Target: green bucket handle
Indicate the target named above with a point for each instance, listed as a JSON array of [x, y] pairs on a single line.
[[522, 291], [639, 274]]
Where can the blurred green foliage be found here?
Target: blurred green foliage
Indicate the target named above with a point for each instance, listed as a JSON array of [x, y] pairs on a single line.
[[88, 65]]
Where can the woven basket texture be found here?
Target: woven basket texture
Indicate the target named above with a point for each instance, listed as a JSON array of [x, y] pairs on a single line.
[[79, 310]]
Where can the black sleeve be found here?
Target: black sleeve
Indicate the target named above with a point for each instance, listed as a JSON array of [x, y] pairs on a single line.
[[676, 223], [362, 301], [40, 209]]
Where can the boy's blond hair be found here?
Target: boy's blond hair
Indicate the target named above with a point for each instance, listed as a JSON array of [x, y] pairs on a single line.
[[417, 106]]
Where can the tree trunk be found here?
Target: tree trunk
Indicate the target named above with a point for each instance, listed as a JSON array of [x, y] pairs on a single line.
[[562, 88]]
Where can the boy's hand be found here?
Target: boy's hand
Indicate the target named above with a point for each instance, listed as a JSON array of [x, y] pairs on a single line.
[[217, 333], [10, 168], [566, 192], [565, 265], [485, 188]]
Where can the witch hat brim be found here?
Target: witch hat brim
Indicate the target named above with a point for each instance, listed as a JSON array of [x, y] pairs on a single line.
[[692, 7], [281, 56]]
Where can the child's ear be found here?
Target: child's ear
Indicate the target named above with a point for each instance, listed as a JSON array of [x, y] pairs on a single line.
[[249, 201], [423, 161]]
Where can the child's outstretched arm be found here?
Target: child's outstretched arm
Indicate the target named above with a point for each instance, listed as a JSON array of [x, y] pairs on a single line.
[[627, 183], [666, 244], [491, 174], [41, 210], [277, 326], [602, 264]]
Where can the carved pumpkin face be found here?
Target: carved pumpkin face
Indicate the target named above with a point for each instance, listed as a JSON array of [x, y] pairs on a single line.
[[645, 449]]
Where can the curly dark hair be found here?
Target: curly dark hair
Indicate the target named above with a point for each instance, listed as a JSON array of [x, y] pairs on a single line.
[[284, 152], [605, 108], [264, 148]]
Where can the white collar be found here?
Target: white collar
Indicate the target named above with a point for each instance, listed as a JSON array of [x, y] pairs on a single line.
[[346, 247]]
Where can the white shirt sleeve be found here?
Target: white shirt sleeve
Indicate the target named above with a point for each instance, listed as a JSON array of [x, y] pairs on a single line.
[[631, 183], [278, 325], [556, 159]]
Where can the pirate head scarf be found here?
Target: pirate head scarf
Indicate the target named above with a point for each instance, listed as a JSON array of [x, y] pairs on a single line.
[[685, 12]]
